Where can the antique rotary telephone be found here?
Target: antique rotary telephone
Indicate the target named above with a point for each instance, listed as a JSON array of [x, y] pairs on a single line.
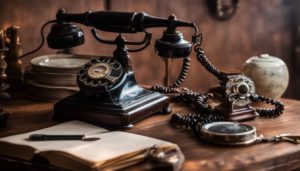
[[109, 94]]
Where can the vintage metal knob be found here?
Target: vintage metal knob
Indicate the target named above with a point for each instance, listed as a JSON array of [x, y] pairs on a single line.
[[242, 89]]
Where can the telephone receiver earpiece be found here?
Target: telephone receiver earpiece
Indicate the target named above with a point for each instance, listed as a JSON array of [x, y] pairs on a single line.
[[61, 36], [65, 35]]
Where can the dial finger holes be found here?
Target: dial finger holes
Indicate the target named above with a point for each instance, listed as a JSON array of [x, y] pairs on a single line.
[[103, 82], [93, 61], [100, 60], [111, 60], [105, 60], [81, 72], [82, 78], [116, 66], [86, 66], [87, 81], [94, 83]]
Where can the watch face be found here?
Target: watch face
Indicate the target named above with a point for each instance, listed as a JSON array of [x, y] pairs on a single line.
[[228, 128], [99, 70]]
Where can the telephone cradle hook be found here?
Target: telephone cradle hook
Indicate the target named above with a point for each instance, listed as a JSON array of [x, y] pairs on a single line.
[[121, 42]]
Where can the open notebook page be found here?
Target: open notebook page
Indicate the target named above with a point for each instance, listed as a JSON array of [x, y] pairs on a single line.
[[110, 145]]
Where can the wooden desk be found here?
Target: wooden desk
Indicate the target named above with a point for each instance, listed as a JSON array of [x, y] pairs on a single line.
[[30, 115]]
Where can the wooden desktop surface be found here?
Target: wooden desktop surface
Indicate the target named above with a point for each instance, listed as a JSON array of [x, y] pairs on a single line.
[[27, 115]]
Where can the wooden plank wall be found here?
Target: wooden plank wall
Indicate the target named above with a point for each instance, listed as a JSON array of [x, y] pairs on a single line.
[[258, 27]]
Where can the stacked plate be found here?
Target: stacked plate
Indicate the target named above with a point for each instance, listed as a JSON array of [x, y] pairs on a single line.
[[52, 77]]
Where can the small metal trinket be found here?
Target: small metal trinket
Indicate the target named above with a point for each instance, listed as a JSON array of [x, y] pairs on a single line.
[[221, 9], [3, 86], [14, 64]]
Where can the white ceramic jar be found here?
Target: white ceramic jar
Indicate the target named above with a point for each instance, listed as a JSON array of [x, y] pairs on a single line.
[[269, 74]]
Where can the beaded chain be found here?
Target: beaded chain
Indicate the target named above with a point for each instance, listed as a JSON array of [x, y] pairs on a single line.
[[204, 112]]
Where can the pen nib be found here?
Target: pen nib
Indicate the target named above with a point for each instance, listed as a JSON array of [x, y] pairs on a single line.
[[90, 139]]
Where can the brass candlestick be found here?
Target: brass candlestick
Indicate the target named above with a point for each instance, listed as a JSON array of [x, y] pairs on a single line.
[[14, 64], [3, 86], [3, 50]]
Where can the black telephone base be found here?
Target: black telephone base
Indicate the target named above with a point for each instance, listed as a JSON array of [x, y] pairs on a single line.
[[108, 114]]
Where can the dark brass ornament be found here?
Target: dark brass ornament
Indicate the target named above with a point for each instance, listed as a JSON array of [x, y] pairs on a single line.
[[222, 9], [3, 86], [14, 64], [3, 65]]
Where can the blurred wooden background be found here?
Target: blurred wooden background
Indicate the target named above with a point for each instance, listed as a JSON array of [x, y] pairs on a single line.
[[258, 27]]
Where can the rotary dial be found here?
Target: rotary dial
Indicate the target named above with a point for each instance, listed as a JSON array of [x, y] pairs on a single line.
[[99, 70], [99, 75]]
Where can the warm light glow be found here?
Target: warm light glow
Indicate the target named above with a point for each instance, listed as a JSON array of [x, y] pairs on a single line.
[[5, 25]]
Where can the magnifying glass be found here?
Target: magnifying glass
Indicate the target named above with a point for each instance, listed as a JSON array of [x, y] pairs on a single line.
[[229, 133]]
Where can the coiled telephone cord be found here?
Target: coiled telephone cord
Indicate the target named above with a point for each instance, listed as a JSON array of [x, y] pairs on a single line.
[[204, 112], [184, 72], [268, 113], [201, 57]]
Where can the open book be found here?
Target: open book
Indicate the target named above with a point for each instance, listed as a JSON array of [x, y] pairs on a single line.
[[114, 150]]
